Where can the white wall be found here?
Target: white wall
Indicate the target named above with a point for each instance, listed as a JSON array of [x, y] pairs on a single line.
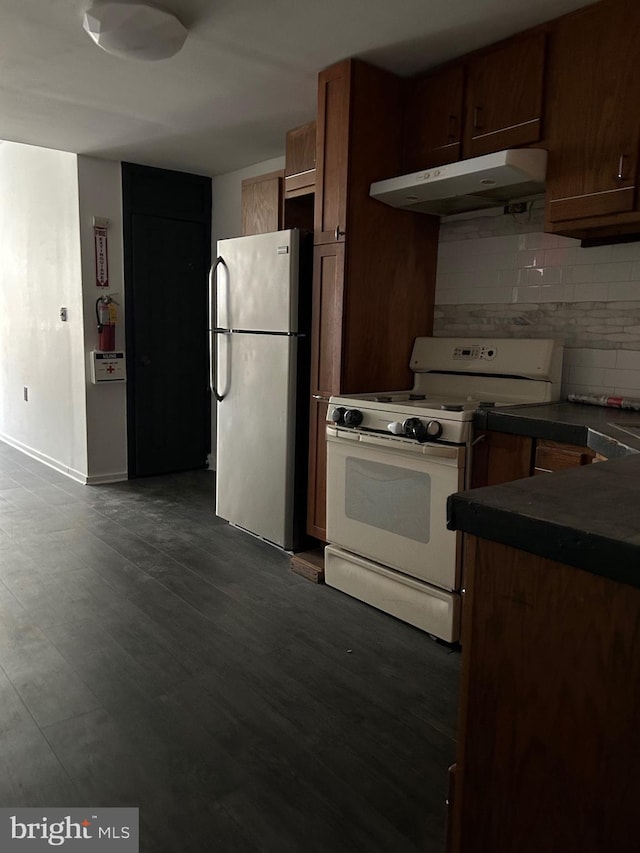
[[47, 203], [40, 273], [100, 194], [502, 276]]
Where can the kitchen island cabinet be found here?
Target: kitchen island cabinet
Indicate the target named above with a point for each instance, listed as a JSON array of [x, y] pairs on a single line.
[[374, 266], [548, 741], [594, 133]]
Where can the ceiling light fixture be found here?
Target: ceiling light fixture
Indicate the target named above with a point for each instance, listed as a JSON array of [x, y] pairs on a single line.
[[134, 30]]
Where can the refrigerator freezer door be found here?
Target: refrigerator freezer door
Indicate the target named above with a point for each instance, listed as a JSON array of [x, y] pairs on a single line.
[[256, 427], [257, 285]]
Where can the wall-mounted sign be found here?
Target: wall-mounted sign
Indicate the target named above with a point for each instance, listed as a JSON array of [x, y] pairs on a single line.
[[102, 261]]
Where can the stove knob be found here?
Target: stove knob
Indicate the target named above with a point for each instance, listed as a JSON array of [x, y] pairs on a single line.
[[352, 417], [414, 428], [434, 430], [337, 415]]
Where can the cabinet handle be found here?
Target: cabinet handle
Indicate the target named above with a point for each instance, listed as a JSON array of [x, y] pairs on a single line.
[[320, 398], [453, 123], [339, 233], [623, 157], [477, 118]]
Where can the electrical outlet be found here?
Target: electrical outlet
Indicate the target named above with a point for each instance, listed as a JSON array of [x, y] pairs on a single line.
[[25, 394], [516, 207]]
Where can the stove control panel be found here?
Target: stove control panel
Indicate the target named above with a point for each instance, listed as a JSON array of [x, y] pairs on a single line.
[[476, 352]]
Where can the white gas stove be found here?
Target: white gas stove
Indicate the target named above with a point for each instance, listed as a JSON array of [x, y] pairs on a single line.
[[394, 457], [454, 377]]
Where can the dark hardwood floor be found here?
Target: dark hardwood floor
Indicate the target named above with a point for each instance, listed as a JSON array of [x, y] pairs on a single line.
[[153, 656]]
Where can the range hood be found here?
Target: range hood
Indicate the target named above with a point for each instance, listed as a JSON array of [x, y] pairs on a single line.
[[481, 182]]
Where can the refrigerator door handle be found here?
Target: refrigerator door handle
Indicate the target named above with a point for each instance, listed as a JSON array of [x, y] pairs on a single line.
[[213, 325]]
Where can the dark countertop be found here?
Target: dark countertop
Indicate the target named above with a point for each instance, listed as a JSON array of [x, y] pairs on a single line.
[[601, 429], [588, 517]]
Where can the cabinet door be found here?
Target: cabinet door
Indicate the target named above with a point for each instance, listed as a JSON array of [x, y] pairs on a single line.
[[334, 85], [326, 345], [300, 162], [317, 492], [433, 120], [594, 120], [504, 96], [327, 314], [500, 457], [262, 204]]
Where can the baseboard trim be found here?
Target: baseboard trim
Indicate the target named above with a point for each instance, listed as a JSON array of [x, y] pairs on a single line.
[[78, 476], [101, 479]]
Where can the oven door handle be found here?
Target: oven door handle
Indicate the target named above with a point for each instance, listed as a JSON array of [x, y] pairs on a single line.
[[437, 452]]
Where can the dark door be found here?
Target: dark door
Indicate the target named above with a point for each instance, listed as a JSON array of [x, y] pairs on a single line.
[[167, 257]]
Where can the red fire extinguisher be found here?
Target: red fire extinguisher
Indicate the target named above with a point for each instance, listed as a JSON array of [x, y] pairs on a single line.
[[106, 315]]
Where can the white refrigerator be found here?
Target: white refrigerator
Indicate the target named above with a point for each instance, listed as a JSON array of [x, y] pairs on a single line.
[[260, 306]]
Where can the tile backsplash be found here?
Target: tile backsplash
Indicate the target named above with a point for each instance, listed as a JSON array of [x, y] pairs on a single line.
[[503, 276]]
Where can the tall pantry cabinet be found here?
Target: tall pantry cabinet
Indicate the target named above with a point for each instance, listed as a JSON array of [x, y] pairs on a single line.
[[374, 266]]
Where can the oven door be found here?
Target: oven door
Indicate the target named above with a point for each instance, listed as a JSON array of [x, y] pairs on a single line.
[[387, 500]]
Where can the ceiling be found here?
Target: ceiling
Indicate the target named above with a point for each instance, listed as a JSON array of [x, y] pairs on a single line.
[[246, 74]]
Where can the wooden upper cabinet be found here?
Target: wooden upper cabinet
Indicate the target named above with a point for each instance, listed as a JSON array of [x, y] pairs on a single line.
[[594, 129], [262, 204], [300, 160], [505, 96], [433, 120], [300, 154], [334, 85]]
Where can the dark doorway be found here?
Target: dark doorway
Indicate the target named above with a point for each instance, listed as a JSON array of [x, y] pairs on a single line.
[[167, 254]]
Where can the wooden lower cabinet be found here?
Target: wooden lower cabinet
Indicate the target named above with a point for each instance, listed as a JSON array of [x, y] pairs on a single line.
[[500, 457], [556, 456], [549, 741]]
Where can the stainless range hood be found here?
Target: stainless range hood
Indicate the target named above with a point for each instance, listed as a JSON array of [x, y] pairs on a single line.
[[481, 182]]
